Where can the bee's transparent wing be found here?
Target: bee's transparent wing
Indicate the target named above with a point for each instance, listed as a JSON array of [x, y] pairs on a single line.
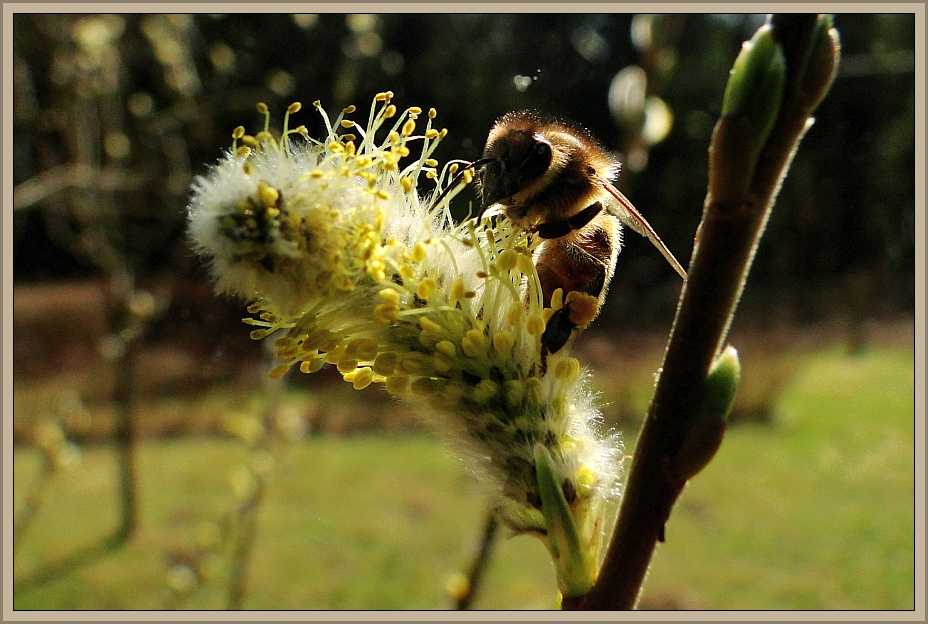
[[629, 215]]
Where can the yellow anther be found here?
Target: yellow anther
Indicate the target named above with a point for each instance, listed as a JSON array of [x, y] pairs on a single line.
[[264, 135], [431, 162], [262, 108], [385, 363], [503, 341], [363, 378], [386, 313], [294, 108], [406, 183], [390, 295], [586, 479], [431, 133], [413, 363], [433, 113], [567, 369], [267, 194], [279, 371], [362, 349], [484, 391], [389, 112], [347, 123], [409, 127], [407, 272], [381, 97], [447, 347], [442, 362], [426, 287], [535, 325], [424, 386], [514, 390], [244, 151], [349, 109], [414, 110], [238, 133], [507, 259], [514, 314], [396, 384], [457, 289], [532, 390], [429, 326]]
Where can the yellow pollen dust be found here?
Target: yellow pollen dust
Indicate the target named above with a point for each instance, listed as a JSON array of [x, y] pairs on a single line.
[[583, 308]]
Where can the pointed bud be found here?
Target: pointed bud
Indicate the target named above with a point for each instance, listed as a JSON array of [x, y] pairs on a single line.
[[704, 434], [755, 84]]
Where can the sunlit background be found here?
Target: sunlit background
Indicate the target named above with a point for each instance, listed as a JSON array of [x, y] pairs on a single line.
[[156, 466]]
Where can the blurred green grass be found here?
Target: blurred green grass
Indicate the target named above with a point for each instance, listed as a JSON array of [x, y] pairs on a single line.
[[814, 510]]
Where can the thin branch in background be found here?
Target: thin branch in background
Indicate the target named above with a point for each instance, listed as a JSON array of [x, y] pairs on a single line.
[[776, 83], [246, 514], [467, 594]]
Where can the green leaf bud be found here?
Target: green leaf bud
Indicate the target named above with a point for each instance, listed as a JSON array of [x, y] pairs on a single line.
[[755, 84], [704, 434]]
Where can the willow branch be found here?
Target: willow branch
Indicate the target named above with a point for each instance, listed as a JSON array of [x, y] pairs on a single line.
[[778, 80]]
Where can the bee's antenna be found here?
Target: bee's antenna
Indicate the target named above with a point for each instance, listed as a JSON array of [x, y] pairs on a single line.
[[454, 182]]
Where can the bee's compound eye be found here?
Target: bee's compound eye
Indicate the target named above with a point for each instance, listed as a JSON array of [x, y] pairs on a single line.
[[537, 161]]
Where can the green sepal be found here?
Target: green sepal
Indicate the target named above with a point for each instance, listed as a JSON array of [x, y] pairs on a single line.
[[704, 434], [573, 564], [755, 84]]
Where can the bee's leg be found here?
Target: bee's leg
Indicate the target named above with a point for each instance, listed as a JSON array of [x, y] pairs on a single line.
[[557, 229], [581, 262], [560, 327]]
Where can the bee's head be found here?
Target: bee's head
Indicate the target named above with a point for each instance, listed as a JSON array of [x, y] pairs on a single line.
[[515, 157]]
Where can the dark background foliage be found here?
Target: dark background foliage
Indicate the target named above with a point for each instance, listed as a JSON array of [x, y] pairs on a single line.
[[146, 102]]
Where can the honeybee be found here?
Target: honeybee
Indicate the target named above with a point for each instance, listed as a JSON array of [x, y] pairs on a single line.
[[555, 181]]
